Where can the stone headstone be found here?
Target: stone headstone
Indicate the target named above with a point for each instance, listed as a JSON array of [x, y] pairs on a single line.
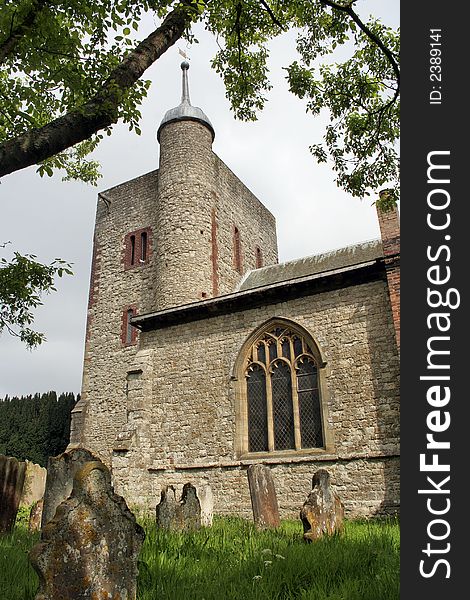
[[182, 515], [263, 496], [89, 549], [61, 471], [206, 499], [190, 508], [168, 511], [12, 473], [323, 511], [34, 484], [35, 516]]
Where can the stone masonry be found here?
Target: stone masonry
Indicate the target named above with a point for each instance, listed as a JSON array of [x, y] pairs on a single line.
[[191, 366], [180, 269]]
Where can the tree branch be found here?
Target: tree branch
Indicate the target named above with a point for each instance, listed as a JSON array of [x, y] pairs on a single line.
[[348, 8], [100, 111], [16, 33], [237, 29], [274, 19]]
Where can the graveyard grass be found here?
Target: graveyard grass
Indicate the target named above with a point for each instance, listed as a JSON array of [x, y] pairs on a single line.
[[234, 561]]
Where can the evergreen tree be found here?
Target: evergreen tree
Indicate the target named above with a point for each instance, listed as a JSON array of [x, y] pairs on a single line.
[[36, 427]]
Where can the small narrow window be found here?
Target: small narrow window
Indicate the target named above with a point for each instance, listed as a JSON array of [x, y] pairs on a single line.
[[143, 247], [259, 258], [262, 353], [130, 314], [237, 253], [137, 248], [132, 259], [128, 332], [297, 346], [285, 345]]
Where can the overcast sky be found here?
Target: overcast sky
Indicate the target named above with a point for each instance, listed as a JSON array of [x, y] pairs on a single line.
[[51, 218]]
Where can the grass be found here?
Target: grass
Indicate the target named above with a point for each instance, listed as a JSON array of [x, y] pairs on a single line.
[[234, 561], [18, 581]]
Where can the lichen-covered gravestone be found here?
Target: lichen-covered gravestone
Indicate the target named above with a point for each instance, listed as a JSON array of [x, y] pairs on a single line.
[[263, 496], [59, 481], [35, 516], [323, 511], [89, 550], [12, 474]]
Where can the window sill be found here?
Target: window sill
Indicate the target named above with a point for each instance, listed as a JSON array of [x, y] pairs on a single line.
[[294, 456]]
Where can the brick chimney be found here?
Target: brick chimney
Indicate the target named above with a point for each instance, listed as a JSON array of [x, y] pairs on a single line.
[[390, 233]]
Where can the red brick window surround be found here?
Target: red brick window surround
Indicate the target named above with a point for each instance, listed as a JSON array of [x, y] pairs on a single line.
[[237, 250], [137, 248], [128, 333]]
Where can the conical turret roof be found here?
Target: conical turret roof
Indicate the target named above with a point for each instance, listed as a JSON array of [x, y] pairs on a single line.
[[185, 111]]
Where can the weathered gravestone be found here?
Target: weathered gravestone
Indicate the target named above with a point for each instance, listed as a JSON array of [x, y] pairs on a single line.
[[190, 508], [35, 516], [168, 511], [89, 550], [323, 511], [12, 473], [263, 496], [184, 515], [206, 499], [61, 471], [34, 484]]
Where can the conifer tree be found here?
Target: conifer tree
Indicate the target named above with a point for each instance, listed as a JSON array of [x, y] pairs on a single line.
[[36, 427]]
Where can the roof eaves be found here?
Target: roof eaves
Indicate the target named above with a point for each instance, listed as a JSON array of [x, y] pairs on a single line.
[[245, 299]]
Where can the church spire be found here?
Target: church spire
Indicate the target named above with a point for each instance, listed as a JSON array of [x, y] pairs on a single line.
[[185, 111], [185, 87]]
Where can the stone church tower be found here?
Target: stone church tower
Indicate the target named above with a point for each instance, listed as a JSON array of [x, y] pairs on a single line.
[[203, 355], [183, 233]]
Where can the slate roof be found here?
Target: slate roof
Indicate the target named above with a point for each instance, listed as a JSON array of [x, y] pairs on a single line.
[[352, 265], [311, 265]]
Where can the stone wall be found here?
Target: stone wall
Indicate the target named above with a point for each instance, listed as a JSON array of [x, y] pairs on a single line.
[[237, 207], [113, 288], [367, 486], [191, 406]]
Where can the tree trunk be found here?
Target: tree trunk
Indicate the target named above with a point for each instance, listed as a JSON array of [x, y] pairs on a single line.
[[100, 111]]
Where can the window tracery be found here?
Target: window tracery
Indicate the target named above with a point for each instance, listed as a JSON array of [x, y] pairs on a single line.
[[282, 393]]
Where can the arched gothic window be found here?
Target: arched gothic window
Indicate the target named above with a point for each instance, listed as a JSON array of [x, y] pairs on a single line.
[[283, 403]]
